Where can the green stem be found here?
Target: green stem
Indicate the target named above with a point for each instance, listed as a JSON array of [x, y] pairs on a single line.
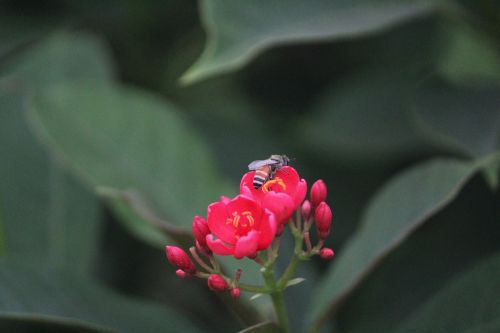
[[277, 298]]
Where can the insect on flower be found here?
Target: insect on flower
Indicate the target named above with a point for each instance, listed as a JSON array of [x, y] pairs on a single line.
[[266, 169]]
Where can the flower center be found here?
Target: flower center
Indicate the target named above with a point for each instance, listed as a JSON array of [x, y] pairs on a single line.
[[268, 186], [244, 220]]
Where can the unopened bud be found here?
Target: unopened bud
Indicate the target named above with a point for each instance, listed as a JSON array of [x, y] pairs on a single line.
[[203, 249], [217, 283], [180, 273], [235, 292], [326, 253], [179, 259], [200, 230], [318, 192], [323, 218], [306, 210]]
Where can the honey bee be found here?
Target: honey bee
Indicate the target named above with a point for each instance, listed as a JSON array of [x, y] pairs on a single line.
[[266, 169]]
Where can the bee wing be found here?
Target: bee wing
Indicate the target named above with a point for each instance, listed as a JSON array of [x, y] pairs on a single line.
[[260, 163]]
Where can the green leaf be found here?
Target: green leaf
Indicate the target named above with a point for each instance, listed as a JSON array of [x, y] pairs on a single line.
[[63, 57], [46, 213], [461, 117], [126, 139], [364, 116], [40, 290], [238, 31], [469, 55], [266, 327], [45, 324], [2, 234], [469, 303], [456, 238], [399, 208]]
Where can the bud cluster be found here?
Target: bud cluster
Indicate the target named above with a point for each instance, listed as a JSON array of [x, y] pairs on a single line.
[[251, 223]]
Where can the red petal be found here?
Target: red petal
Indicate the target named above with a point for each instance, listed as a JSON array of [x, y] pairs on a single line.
[[216, 218], [247, 245], [267, 230], [242, 203], [281, 204], [218, 246]]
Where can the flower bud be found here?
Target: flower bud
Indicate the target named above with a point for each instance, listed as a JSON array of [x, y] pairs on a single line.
[[318, 192], [180, 273], [203, 249], [326, 253], [217, 283], [306, 210], [235, 292], [179, 259], [323, 218], [200, 230]]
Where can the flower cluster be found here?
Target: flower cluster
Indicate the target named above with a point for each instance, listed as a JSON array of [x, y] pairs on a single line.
[[251, 222]]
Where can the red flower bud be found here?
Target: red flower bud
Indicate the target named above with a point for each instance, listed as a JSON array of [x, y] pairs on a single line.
[[179, 259], [306, 209], [203, 249], [200, 230], [326, 253], [318, 192], [180, 273], [323, 218], [235, 292], [217, 283]]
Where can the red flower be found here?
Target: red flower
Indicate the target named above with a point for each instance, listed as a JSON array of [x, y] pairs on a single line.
[[241, 225], [282, 195]]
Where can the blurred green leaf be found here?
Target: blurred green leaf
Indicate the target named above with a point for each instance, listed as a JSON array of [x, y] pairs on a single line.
[[238, 31], [450, 242], [266, 327], [127, 139], [2, 234], [63, 57], [400, 207], [364, 116], [469, 55], [47, 214], [461, 117], [20, 323], [470, 302], [44, 291]]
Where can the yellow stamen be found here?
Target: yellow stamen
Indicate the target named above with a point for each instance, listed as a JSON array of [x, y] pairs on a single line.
[[276, 181]]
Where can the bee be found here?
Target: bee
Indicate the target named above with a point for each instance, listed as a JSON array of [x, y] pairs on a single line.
[[266, 169]]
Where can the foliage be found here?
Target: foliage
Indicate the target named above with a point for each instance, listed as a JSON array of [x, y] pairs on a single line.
[[120, 121]]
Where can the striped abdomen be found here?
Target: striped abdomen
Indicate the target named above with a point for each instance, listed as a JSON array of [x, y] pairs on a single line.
[[261, 176]]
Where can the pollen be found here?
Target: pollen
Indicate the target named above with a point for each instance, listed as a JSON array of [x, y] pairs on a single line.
[[270, 183]]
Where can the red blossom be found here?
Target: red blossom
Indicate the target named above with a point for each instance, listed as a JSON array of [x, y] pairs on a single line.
[[318, 192], [179, 259], [282, 195], [241, 227], [323, 218], [217, 283]]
